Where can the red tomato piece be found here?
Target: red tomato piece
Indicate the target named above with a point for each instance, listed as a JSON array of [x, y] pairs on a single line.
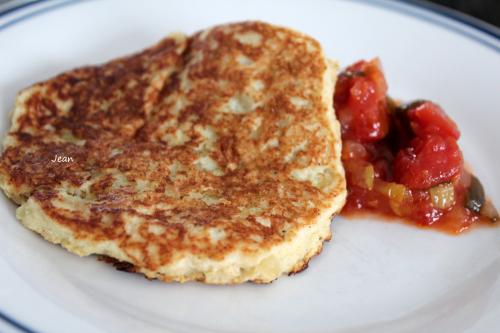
[[427, 162], [360, 102], [421, 209], [429, 118]]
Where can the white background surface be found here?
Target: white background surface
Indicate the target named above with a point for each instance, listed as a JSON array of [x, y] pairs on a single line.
[[373, 276]]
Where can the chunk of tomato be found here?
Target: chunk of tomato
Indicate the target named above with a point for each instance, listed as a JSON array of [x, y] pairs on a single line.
[[360, 102], [428, 161], [429, 118]]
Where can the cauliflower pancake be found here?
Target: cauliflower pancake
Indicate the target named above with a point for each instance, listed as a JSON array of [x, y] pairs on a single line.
[[214, 157]]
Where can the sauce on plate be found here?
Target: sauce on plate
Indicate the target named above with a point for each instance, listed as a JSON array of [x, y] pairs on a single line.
[[403, 160]]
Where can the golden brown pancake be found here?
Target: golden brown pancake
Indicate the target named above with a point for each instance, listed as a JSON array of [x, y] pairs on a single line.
[[214, 157]]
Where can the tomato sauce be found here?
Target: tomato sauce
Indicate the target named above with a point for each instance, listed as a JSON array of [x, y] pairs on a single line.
[[403, 160]]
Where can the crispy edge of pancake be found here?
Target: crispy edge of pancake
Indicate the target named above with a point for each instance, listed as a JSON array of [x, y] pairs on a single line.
[[290, 256]]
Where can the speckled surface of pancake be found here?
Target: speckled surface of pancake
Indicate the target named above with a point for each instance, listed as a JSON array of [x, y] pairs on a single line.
[[214, 157]]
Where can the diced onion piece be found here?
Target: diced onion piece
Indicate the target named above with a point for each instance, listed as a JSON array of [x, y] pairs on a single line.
[[442, 195], [362, 175], [368, 176], [397, 194], [353, 150]]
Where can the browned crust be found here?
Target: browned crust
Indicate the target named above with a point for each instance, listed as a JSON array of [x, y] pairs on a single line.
[[300, 267], [122, 266], [124, 105]]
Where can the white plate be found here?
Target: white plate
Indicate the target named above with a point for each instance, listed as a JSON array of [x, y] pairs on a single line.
[[373, 277]]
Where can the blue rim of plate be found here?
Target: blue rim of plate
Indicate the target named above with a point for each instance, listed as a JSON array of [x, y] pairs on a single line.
[[419, 9]]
